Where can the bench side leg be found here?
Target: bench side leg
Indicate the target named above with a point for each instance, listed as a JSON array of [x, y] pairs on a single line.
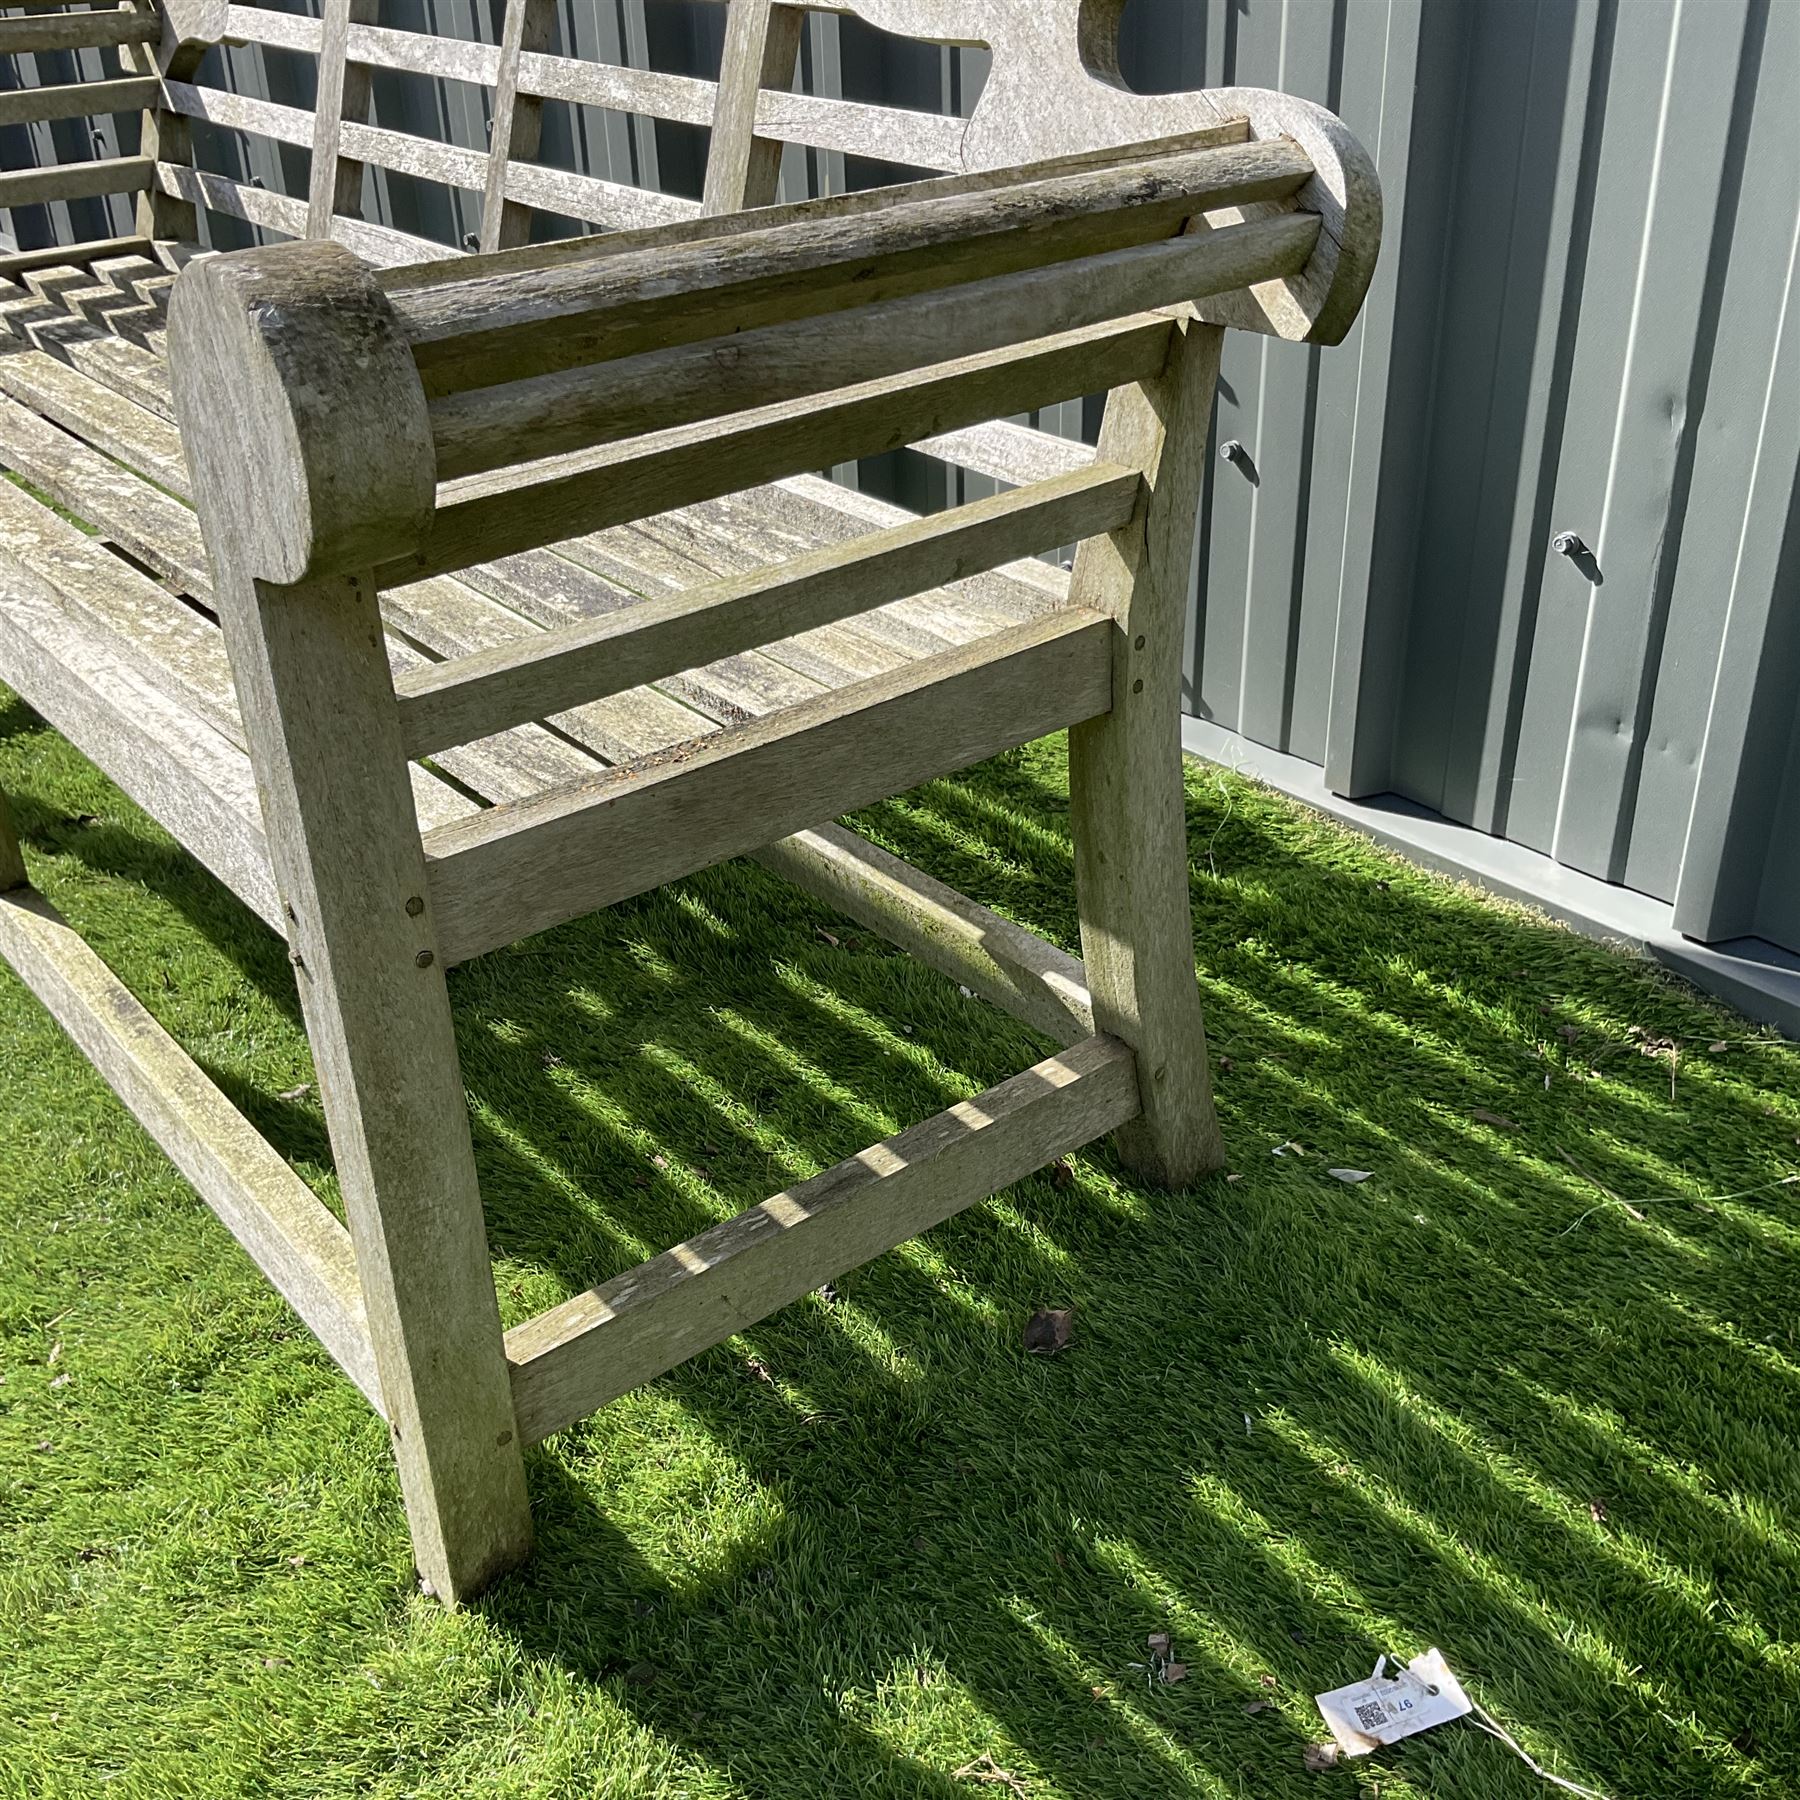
[[324, 729], [12, 860], [1127, 805]]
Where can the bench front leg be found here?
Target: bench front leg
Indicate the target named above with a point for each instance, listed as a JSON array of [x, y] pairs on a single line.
[[304, 422], [1127, 805]]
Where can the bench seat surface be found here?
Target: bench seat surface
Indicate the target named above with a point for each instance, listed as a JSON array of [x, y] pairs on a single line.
[[105, 599]]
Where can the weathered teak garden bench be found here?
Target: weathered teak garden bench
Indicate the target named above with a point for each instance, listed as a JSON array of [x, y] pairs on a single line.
[[505, 594]]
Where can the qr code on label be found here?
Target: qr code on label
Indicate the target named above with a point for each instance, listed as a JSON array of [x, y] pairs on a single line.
[[1371, 1715]]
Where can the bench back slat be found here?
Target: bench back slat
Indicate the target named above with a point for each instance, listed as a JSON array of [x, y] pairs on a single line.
[[1054, 87]]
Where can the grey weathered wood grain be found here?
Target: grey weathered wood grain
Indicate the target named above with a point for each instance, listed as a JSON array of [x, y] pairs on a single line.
[[140, 518], [1127, 805], [627, 1331], [342, 94], [484, 517], [763, 366], [1056, 85], [93, 347], [76, 100], [292, 347], [520, 869], [90, 684], [271, 1212], [493, 327], [77, 31], [75, 181], [762, 46], [516, 121], [22, 262], [451, 703], [1004, 963], [921, 139]]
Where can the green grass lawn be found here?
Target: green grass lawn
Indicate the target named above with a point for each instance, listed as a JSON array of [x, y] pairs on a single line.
[[1477, 1400]]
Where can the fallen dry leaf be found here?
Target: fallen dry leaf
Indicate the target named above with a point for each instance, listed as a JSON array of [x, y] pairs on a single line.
[[1048, 1330], [1159, 1643], [1061, 1175], [1320, 1757], [1173, 1672], [1351, 1176], [826, 935], [1597, 1511], [55, 1353], [1718, 1049], [1499, 1121], [297, 1093]]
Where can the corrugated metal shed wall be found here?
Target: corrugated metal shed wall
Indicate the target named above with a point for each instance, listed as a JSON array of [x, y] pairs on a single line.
[[1585, 324], [1584, 321]]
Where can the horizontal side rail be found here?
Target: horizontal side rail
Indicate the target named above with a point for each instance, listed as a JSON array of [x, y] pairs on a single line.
[[289, 1234], [526, 866], [77, 100], [615, 1337], [1014, 969], [77, 31], [471, 697], [86, 681], [77, 181], [496, 516], [496, 327], [604, 402]]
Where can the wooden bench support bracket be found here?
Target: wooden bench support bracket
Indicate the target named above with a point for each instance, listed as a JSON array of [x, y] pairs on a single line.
[[575, 1358], [290, 1236]]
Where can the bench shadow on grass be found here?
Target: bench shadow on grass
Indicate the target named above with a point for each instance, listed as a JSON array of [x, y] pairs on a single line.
[[1303, 1420]]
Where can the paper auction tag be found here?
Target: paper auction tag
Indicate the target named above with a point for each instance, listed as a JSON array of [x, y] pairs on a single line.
[[1384, 1709]]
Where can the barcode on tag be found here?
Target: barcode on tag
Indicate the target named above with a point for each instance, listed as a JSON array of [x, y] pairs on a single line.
[[1384, 1709]]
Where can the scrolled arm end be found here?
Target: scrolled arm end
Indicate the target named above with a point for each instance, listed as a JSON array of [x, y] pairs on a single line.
[[301, 411]]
